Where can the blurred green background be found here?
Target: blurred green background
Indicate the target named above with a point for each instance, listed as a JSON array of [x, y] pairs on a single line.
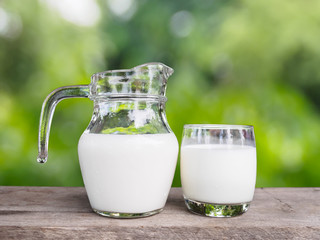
[[236, 62]]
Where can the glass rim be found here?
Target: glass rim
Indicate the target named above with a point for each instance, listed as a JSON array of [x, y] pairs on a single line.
[[217, 126]]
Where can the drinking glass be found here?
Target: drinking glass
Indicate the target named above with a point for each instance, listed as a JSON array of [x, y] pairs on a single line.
[[218, 168]]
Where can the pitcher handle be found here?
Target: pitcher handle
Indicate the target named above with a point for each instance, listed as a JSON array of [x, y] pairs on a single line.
[[47, 111]]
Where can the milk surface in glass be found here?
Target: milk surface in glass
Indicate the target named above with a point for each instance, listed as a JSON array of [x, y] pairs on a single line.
[[215, 173], [127, 173]]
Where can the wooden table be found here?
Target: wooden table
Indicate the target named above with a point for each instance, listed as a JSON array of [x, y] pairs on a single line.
[[64, 212]]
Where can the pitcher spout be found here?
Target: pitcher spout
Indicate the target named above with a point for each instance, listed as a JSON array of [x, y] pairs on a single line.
[[161, 68]]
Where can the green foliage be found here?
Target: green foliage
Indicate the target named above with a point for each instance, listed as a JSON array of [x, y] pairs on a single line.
[[235, 62]]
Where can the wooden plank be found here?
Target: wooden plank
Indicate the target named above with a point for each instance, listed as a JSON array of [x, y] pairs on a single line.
[[62, 212]]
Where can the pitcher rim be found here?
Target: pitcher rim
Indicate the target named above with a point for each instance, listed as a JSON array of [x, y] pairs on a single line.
[[128, 70]]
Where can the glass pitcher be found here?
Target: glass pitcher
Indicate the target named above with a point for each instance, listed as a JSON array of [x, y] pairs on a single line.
[[128, 153]]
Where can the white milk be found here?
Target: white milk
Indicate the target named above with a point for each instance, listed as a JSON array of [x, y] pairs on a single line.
[[218, 173], [128, 173]]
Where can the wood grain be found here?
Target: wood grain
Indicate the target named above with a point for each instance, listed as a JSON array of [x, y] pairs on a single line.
[[65, 213]]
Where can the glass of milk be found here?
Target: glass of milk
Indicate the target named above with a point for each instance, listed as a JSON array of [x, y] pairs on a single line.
[[218, 169]]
